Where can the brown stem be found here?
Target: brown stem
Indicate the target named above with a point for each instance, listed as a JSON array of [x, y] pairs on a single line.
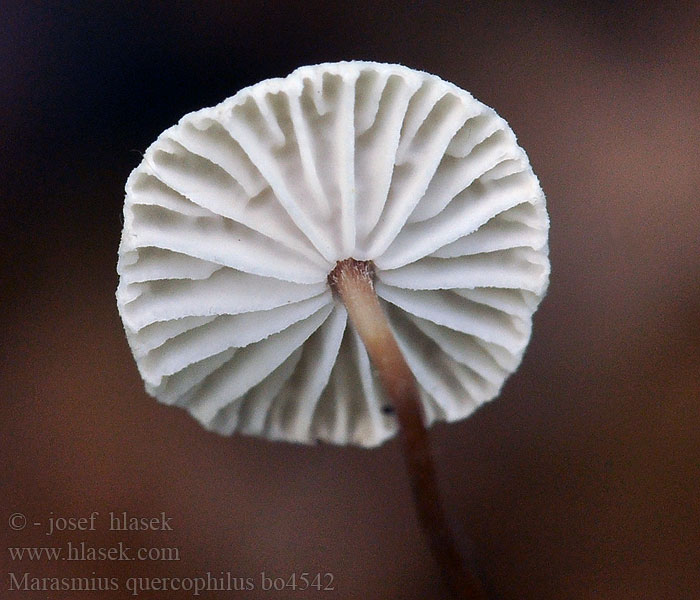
[[353, 281]]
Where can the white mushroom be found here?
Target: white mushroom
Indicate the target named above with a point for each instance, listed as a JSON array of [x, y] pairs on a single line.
[[238, 214], [319, 251]]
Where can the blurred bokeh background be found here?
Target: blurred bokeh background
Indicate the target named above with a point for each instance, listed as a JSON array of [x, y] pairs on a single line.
[[581, 481]]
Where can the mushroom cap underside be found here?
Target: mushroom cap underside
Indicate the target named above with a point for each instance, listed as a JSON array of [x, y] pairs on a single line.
[[237, 214]]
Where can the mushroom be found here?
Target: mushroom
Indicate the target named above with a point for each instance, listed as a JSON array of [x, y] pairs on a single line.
[[353, 250]]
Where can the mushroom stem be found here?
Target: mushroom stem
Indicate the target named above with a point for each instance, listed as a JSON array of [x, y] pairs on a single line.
[[352, 281]]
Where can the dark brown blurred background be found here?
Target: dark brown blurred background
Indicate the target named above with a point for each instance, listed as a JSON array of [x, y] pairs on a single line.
[[580, 481]]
